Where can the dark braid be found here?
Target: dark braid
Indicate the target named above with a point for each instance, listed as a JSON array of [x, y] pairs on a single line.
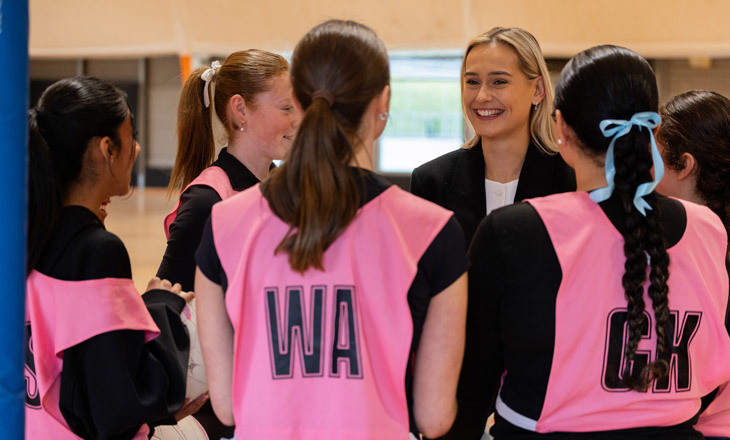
[[659, 294], [642, 237], [621, 84]]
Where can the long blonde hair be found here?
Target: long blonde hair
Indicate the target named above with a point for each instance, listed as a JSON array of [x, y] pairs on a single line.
[[532, 64]]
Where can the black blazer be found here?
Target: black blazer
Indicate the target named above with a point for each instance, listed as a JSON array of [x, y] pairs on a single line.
[[456, 182]]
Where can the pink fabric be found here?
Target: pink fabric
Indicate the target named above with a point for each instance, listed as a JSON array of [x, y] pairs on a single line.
[[590, 251], [213, 177], [715, 421], [376, 258], [62, 314]]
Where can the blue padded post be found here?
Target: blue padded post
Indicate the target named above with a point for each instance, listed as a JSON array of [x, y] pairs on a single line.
[[13, 164]]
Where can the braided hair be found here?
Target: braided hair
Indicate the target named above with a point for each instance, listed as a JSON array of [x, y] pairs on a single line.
[[620, 83]]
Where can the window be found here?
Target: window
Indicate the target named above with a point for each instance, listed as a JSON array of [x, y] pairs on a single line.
[[426, 120]]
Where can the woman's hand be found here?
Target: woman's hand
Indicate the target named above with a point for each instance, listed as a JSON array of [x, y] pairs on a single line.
[[156, 283]]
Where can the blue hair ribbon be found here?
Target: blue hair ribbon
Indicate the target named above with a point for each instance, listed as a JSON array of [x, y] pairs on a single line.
[[618, 128]]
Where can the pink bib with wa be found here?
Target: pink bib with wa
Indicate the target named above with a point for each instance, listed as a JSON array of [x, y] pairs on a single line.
[[323, 355], [213, 177], [585, 390], [59, 315]]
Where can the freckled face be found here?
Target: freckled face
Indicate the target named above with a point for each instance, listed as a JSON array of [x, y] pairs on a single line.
[[273, 121]]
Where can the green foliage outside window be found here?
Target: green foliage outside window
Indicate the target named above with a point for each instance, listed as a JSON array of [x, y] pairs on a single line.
[[425, 108]]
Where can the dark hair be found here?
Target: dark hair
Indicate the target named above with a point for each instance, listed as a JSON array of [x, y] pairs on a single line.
[[314, 190], [609, 82], [698, 122], [246, 73], [69, 114]]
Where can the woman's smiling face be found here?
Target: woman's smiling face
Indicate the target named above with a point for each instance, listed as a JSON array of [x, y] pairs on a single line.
[[496, 95]]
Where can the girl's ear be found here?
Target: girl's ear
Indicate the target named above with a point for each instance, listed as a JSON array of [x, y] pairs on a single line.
[[238, 109], [689, 166], [103, 147]]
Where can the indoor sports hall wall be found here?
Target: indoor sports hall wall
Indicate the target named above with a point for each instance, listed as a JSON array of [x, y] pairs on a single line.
[[143, 47]]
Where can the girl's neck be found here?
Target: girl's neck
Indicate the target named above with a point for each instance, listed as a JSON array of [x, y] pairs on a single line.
[[258, 164], [363, 154], [90, 196], [588, 175]]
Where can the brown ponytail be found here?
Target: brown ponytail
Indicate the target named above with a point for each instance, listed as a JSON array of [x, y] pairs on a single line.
[[314, 190], [195, 144], [245, 73]]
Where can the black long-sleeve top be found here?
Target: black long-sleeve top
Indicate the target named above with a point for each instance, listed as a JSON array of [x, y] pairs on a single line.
[[114, 383], [178, 263], [443, 262], [513, 284]]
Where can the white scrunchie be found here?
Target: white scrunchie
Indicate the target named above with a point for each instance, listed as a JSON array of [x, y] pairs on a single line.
[[208, 76]]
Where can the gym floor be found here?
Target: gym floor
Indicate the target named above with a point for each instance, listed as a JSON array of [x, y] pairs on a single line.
[[137, 220]]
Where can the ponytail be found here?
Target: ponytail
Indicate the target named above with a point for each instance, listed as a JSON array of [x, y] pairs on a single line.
[[314, 190], [69, 114], [195, 142], [246, 73], [719, 200], [44, 198], [722, 206], [338, 68]]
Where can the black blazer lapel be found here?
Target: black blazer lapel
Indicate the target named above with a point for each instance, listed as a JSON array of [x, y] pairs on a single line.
[[536, 176], [465, 194]]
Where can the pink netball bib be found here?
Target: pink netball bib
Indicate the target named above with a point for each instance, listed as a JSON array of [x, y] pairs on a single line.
[[213, 177], [323, 355], [585, 390], [715, 420], [59, 315]]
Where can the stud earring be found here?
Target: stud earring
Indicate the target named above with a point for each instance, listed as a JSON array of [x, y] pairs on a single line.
[[560, 142], [383, 116]]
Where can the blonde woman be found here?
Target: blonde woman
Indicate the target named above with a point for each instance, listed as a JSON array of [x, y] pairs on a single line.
[[507, 98], [602, 311]]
